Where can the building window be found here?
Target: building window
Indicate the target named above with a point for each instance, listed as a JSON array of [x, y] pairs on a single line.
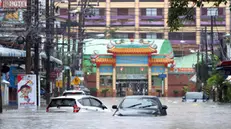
[[122, 11], [156, 81], [151, 12], [96, 12], [122, 36], [212, 11], [105, 80], [151, 36]]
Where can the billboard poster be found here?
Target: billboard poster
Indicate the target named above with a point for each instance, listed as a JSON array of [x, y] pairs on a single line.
[[26, 91], [14, 4]]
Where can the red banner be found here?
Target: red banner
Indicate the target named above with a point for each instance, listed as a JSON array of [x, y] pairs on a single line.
[[15, 4]]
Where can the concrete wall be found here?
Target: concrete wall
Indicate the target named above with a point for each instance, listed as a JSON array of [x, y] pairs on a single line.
[[177, 82]]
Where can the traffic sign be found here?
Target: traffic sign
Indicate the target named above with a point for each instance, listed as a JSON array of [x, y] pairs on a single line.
[[162, 76], [78, 72], [59, 83], [75, 81]]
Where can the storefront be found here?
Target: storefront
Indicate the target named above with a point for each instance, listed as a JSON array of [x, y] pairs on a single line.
[[134, 67]]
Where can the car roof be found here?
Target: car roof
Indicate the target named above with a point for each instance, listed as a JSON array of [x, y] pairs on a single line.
[[140, 96], [74, 97], [73, 91]]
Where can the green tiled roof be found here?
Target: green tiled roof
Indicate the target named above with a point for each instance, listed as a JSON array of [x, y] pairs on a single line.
[[100, 45], [186, 61], [166, 47], [132, 46]]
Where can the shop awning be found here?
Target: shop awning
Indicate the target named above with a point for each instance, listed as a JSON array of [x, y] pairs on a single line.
[[53, 59], [228, 78], [9, 52], [5, 82]]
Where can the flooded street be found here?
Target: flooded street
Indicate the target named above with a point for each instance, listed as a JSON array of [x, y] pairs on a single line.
[[206, 115]]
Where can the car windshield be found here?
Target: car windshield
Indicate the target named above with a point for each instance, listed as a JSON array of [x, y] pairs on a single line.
[[194, 95], [62, 102], [140, 103], [73, 93]]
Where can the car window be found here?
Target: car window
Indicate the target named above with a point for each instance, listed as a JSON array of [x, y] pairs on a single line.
[[73, 93], [140, 103], [194, 95], [62, 102], [95, 102], [85, 102]]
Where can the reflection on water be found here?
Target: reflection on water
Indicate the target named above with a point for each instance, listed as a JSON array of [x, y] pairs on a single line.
[[207, 115]]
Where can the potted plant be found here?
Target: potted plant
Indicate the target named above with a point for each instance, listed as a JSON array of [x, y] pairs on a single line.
[[175, 92], [185, 89], [159, 92], [104, 92], [93, 91]]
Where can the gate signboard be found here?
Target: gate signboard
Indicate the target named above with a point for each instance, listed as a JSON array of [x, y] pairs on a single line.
[[132, 76]]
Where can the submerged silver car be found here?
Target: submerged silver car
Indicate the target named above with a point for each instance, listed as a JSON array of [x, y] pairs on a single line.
[[140, 106], [195, 97]]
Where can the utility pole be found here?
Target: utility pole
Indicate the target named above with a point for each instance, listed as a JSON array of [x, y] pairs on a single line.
[[57, 41], [69, 45], [48, 39], [28, 38], [212, 18], [0, 86], [63, 59], [206, 46], [82, 15], [36, 50], [197, 67]]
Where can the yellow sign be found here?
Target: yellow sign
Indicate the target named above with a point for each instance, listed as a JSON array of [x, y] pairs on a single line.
[[75, 81], [59, 83]]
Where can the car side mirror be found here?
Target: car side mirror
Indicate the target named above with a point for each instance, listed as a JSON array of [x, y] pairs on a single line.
[[103, 107], [114, 107], [183, 98], [164, 107]]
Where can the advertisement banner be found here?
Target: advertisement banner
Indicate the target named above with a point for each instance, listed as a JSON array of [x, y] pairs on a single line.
[[26, 91], [14, 4]]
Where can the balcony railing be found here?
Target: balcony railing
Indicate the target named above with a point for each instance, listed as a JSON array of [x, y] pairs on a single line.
[[218, 23], [96, 17], [92, 23], [123, 20], [152, 17], [121, 17], [189, 23], [152, 23], [128, 23], [185, 41], [206, 17], [151, 20], [219, 20]]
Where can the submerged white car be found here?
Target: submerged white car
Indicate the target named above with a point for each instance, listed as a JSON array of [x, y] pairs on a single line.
[[81, 103], [73, 92]]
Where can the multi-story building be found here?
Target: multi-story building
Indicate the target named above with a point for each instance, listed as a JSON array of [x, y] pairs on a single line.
[[148, 19]]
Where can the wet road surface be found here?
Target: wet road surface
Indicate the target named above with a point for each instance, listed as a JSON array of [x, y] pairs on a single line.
[[207, 115]]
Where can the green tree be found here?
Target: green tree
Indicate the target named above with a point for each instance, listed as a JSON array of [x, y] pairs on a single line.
[[110, 32], [216, 80], [182, 8], [88, 67]]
